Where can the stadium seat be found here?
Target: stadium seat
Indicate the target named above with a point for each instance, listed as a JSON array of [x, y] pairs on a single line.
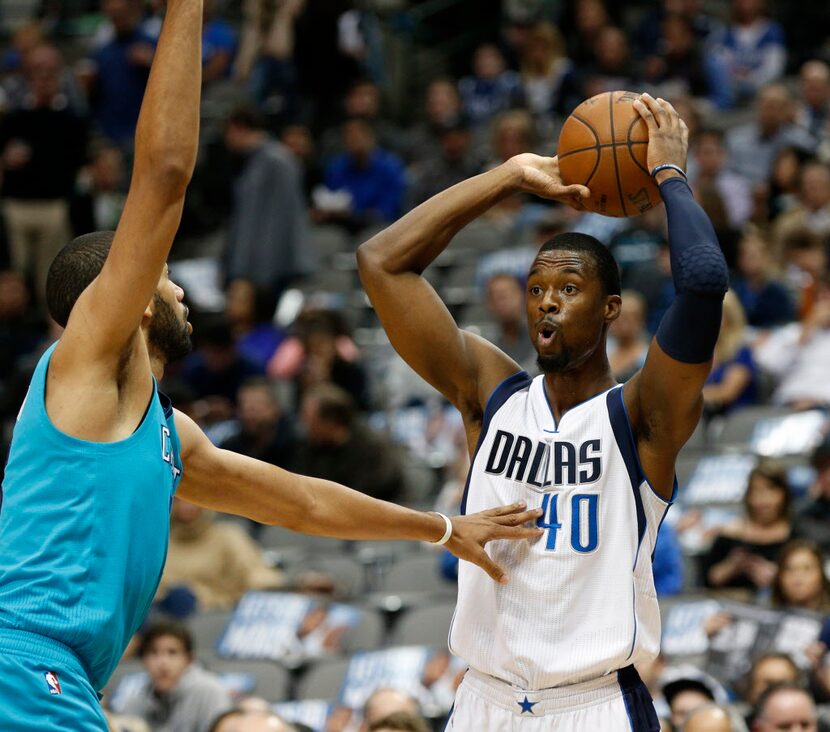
[[739, 426], [368, 635], [329, 240], [417, 574], [424, 626], [277, 537], [323, 680], [346, 571], [270, 680], [206, 628]]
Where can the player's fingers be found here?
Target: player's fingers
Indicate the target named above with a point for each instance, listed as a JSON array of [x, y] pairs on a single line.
[[576, 191], [645, 112], [517, 519], [505, 510], [516, 532], [669, 113], [483, 560]]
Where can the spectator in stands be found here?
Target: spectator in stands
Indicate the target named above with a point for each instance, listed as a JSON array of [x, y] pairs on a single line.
[[400, 722], [732, 383], [268, 231], [685, 695], [491, 89], [118, 71], [216, 370], [177, 696], [637, 247], [42, 147], [372, 179], [513, 133], [797, 354], [547, 73], [781, 191], [122, 723], [713, 718], [588, 18], [266, 49], [21, 326], [385, 702], [652, 279], [213, 562], [680, 65], [813, 107], [505, 303], [442, 106], [611, 69], [765, 300], [363, 101], [456, 163], [813, 519], [744, 552], [237, 720], [785, 707], [752, 147], [646, 36], [299, 140], [800, 580], [250, 311], [769, 669], [265, 431], [752, 48], [100, 193], [628, 341], [338, 446], [218, 45], [710, 167], [812, 211], [667, 563], [805, 256]]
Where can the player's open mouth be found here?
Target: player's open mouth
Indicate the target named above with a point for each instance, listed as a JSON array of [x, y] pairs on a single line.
[[546, 335]]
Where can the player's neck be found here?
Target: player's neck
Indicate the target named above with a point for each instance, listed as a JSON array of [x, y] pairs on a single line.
[[157, 366], [567, 389]]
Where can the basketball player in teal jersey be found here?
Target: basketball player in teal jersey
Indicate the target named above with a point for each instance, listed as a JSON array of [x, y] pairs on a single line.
[[97, 452]]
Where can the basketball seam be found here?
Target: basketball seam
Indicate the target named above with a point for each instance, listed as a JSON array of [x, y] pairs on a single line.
[[631, 142], [595, 147], [614, 150], [603, 144]]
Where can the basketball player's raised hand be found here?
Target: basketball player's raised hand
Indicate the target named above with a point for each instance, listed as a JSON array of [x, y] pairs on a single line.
[[668, 136], [540, 176], [471, 533]]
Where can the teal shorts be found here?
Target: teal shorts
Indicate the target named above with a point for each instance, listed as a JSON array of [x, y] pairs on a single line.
[[43, 686]]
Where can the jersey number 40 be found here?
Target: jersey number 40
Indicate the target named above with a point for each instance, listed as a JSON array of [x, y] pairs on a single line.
[[584, 521]]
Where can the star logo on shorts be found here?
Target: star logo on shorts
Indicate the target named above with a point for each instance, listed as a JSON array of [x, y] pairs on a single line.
[[527, 706]]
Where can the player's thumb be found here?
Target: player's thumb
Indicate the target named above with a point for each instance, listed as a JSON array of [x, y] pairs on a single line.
[[577, 191]]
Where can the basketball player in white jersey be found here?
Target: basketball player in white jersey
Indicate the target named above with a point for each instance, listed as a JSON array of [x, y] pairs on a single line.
[[555, 648]]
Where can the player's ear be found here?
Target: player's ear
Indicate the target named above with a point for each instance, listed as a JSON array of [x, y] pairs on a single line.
[[613, 306]]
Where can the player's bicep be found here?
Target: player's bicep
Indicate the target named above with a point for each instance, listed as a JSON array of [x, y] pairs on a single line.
[[112, 306], [665, 399], [460, 365]]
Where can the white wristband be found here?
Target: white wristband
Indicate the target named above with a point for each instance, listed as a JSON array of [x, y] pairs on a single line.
[[447, 534]]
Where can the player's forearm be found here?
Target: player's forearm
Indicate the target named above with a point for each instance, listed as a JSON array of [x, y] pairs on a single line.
[[690, 327], [167, 134], [416, 239], [344, 513]]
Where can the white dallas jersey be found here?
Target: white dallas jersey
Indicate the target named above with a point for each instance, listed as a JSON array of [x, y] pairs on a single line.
[[580, 602]]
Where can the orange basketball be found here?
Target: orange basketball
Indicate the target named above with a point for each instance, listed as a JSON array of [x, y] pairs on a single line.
[[603, 146]]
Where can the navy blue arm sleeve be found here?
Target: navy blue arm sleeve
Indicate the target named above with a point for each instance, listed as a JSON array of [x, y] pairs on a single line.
[[689, 329]]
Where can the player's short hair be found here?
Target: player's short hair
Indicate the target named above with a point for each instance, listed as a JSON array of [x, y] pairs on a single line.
[[72, 271], [604, 262], [402, 721], [163, 629]]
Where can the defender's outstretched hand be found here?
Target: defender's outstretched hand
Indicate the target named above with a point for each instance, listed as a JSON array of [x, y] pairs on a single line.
[[668, 135], [471, 533], [541, 177]]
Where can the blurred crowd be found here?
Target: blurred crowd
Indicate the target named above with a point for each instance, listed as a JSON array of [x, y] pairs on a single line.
[[325, 120]]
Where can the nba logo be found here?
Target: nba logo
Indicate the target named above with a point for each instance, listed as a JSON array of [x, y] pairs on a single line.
[[53, 683]]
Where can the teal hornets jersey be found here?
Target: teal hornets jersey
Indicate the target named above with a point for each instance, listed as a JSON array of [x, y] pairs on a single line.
[[84, 529]]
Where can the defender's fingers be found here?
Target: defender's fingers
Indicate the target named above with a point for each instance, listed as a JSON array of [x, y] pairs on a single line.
[[488, 565], [517, 519], [505, 510]]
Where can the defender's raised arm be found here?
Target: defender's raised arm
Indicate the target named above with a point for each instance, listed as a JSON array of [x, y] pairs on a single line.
[[109, 312]]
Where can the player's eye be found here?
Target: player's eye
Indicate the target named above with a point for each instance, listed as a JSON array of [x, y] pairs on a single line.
[[569, 289], [536, 290]]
